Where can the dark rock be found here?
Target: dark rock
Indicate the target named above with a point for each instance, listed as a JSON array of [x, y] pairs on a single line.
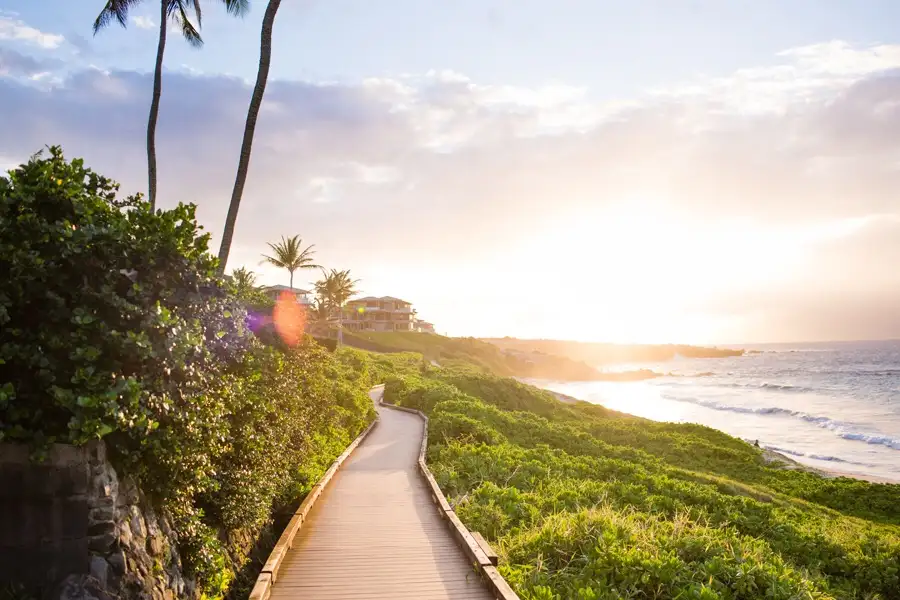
[[101, 528], [74, 587], [102, 543], [102, 513], [100, 570], [116, 560]]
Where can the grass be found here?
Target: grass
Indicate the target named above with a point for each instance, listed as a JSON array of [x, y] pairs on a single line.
[[587, 503]]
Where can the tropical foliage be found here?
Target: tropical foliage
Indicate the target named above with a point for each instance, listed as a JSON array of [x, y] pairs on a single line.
[[583, 502], [333, 291], [115, 325], [290, 255], [244, 279]]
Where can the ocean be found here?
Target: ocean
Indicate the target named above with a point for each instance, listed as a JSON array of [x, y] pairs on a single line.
[[833, 406]]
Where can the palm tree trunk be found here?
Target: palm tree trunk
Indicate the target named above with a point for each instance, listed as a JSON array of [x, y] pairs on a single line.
[[154, 105], [262, 76], [292, 278]]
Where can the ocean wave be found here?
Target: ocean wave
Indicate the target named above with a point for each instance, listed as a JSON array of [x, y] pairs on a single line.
[[840, 428], [781, 387], [817, 456]]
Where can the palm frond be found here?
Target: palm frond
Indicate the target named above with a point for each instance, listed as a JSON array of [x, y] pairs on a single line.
[[237, 8], [272, 261], [188, 30], [114, 10]]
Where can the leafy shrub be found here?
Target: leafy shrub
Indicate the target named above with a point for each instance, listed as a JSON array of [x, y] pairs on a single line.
[[114, 325]]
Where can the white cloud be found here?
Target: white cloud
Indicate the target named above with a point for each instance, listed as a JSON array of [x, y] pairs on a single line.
[[143, 22], [16, 30], [810, 73]]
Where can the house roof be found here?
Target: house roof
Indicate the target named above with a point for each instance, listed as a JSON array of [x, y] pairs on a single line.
[[284, 288], [389, 298]]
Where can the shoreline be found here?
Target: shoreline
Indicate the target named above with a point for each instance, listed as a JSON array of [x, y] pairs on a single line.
[[771, 456]]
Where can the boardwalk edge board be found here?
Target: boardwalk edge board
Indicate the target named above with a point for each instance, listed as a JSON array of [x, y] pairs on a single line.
[[484, 563], [269, 574]]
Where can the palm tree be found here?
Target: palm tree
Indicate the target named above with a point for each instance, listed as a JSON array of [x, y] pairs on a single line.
[[288, 255], [176, 11], [244, 280], [317, 315], [334, 290], [262, 76]]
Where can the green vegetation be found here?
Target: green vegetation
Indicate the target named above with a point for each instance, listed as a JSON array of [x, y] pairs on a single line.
[[583, 502], [332, 292], [115, 325], [470, 351]]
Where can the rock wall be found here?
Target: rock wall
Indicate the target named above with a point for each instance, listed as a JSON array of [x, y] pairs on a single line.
[[70, 529]]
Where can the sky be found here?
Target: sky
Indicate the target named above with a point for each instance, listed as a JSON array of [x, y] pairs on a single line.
[[644, 171]]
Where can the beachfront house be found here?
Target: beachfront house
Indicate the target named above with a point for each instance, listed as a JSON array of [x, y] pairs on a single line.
[[303, 296], [379, 314]]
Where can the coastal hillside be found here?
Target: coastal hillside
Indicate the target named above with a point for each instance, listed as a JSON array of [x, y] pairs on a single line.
[[473, 352], [599, 353], [587, 503]]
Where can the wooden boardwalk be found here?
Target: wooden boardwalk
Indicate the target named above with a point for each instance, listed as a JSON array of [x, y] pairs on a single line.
[[375, 531]]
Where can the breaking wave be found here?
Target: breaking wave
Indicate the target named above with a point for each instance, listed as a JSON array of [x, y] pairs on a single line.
[[841, 429]]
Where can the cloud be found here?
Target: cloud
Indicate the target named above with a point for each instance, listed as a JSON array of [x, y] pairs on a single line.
[[143, 22], [15, 64], [15, 30], [466, 184]]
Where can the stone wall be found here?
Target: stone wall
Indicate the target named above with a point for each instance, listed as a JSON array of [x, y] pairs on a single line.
[[70, 529]]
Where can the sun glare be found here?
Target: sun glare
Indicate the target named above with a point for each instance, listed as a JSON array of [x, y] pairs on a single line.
[[640, 272]]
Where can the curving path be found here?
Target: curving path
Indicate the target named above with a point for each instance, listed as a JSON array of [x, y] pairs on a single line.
[[375, 532]]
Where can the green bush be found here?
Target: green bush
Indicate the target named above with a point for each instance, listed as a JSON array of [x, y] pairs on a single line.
[[114, 325]]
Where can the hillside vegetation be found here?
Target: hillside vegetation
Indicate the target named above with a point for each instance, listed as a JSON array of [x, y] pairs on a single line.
[[473, 352], [587, 503]]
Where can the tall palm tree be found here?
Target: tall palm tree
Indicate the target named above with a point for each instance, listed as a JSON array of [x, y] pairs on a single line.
[[244, 280], [287, 254], [262, 76], [335, 288], [169, 10]]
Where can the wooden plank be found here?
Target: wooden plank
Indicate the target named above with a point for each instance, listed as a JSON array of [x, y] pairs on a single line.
[[468, 543], [309, 501], [262, 589], [498, 585], [436, 492], [486, 548]]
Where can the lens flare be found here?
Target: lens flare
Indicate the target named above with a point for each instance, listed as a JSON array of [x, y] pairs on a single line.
[[289, 318]]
